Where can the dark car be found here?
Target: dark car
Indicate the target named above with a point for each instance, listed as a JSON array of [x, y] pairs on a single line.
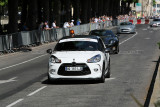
[[109, 38]]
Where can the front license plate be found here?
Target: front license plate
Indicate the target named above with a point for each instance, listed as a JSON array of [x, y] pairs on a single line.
[[73, 68], [124, 30]]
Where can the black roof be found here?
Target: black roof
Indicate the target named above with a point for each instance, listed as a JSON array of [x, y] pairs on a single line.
[[81, 36]]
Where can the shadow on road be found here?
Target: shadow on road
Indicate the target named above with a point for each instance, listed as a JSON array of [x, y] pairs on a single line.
[[149, 95], [69, 82]]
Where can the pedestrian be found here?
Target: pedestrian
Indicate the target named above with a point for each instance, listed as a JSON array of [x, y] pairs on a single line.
[[66, 25], [78, 21], [46, 26], [72, 23], [54, 25]]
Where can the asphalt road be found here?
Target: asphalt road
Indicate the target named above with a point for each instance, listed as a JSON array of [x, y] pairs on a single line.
[[23, 79]]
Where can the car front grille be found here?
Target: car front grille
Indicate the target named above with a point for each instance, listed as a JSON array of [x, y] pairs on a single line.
[[63, 72], [124, 30]]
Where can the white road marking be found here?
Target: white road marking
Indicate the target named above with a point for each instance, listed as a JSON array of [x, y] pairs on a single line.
[[22, 62], [14, 103], [6, 81], [36, 91], [108, 79], [128, 39]]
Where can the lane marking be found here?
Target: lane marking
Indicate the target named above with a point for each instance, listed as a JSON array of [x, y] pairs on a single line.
[[36, 91], [14, 103], [108, 79], [23, 62], [128, 39], [6, 81]]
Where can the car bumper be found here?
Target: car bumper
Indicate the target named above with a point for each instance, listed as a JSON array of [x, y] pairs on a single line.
[[94, 69], [126, 31]]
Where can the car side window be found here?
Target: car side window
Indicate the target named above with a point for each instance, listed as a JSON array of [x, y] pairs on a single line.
[[101, 45]]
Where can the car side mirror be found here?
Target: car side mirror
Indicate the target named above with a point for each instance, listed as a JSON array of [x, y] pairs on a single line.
[[49, 51], [107, 50]]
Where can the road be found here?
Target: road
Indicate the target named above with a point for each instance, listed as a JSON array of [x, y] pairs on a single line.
[[23, 79]]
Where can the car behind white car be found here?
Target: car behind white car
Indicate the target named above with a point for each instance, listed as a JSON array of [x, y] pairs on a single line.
[[79, 58]]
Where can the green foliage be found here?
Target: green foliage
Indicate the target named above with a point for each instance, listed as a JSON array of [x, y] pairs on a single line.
[[154, 2], [3, 2], [157, 104]]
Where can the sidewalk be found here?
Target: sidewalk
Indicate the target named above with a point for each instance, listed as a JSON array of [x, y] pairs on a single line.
[[156, 91]]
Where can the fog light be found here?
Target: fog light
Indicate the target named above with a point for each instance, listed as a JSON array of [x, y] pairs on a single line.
[[52, 71], [95, 69]]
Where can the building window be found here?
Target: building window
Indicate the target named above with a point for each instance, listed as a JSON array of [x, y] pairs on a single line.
[[158, 5], [154, 5]]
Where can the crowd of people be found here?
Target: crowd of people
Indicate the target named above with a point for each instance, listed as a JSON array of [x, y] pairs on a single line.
[[68, 24]]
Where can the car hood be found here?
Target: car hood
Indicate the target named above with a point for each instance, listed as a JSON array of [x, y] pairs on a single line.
[[107, 40], [125, 26], [77, 56]]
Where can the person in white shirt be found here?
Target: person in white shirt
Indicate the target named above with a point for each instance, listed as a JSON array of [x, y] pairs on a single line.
[[96, 20], [72, 23], [66, 25], [54, 25]]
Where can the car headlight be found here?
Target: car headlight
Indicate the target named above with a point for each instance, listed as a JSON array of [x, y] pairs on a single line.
[[54, 59], [112, 42], [94, 59]]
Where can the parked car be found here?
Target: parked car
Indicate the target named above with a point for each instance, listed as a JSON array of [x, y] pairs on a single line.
[[126, 27], [79, 57], [155, 23], [109, 38]]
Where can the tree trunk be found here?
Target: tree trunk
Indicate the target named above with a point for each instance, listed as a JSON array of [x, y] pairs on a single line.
[[100, 7], [57, 11], [13, 16], [40, 15], [45, 10], [84, 11], [76, 6], [24, 11], [32, 15], [67, 8]]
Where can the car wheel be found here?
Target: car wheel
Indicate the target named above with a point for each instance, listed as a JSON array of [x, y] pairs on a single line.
[[117, 50], [109, 71], [102, 79]]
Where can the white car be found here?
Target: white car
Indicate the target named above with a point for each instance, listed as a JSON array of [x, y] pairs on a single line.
[[79, 58], [155, 23]]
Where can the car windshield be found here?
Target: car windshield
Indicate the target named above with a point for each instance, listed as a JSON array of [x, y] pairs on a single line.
[[77, 46], [126, 23], [103, 33], [156, 20]]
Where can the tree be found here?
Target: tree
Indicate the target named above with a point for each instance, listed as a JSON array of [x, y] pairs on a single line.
[[13, 16], [24, 11], [57, 11], [84, 12], [76, 6], [32, 14], [45, 4]]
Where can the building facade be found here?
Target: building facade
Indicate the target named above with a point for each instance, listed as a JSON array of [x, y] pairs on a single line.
[[156, 8], [146, 8]]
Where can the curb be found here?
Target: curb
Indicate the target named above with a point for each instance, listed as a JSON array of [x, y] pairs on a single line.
[[156, 90]]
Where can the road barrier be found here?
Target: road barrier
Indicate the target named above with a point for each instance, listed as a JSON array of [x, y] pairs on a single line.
[[16, 41]]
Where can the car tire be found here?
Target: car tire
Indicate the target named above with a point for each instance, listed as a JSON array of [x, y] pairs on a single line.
[[117, 50], [108, 75], [102, 79]]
